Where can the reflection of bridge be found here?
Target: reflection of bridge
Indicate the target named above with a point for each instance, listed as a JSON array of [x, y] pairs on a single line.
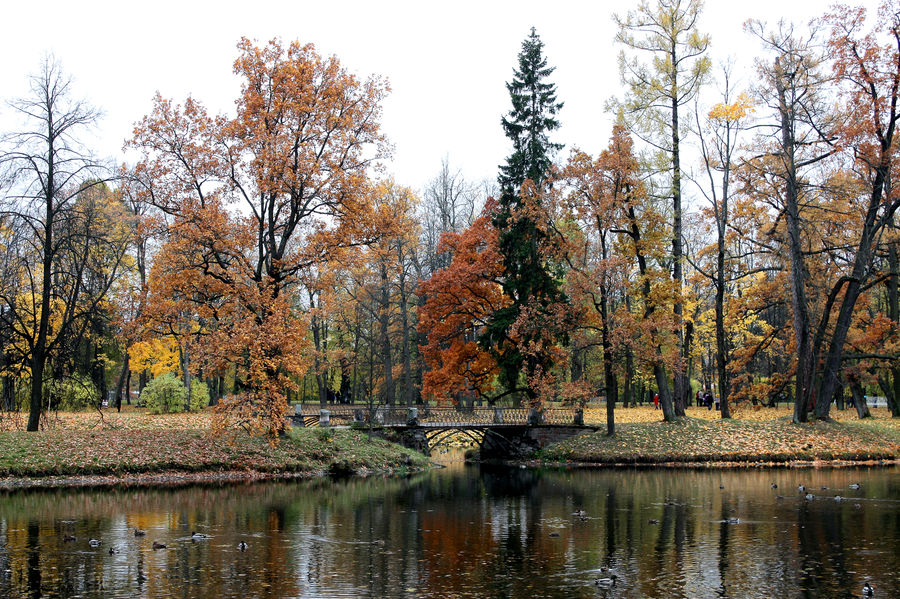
[[498, 431]]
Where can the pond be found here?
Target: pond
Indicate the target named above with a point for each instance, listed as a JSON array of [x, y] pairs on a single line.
[[466, 531]]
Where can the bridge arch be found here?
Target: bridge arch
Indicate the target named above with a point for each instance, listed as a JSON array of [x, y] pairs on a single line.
[[438, 437]]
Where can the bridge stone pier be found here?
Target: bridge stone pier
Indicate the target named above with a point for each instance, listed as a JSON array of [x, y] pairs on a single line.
[[500, 433]]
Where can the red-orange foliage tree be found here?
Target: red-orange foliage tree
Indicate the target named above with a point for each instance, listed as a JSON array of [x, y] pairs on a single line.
[[460, 300]]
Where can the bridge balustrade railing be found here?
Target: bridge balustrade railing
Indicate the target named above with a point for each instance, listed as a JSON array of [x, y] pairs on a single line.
[[475, 416], [436, 415], [561, 416]]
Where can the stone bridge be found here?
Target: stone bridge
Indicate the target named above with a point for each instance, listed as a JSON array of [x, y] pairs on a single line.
[[499, 432]]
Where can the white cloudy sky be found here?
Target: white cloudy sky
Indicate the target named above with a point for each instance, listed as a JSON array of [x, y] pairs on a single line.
[[446, 61]]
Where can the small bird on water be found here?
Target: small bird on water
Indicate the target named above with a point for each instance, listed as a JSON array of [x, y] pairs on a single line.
[[242, 546], [868, 590]]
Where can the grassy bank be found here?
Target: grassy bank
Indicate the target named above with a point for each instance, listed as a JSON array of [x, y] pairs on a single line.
[[766, 437], [178, 447]]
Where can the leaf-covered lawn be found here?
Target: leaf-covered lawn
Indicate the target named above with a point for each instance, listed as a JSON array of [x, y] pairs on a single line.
[[597, 415], [126, 451], [129, 418], [737, 440]]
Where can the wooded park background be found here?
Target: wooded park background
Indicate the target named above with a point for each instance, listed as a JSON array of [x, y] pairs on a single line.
[[737, 240]]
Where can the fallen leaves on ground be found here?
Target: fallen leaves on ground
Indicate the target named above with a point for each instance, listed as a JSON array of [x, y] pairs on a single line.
[[597, 415], [89, 452], [639, 439]]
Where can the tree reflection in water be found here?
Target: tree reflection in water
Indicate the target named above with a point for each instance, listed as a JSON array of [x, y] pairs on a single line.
[[465, 532]]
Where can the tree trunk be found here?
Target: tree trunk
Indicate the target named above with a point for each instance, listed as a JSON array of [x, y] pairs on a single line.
[[680, 384], [859, 400], [320, 342], [608, 378], [9, 394], [120, 383], [98, 373], [8, 400], [894, 398], [37, 396], [384, 322], [576, 365], [39, 352], [799, 305], [629, 379], [659, 371], [665, 396], [832, 366], [721, 356], [186, 373], [894, 315], [404, 328]]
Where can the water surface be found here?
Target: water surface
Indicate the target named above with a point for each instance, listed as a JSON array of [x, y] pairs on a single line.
[[466, 532]]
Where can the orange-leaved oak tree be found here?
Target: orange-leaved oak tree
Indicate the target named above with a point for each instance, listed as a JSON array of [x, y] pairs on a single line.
[[253, 200]]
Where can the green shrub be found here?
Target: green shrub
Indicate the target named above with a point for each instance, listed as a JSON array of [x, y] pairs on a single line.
[[164, 394], [199, 395], [75, 392]]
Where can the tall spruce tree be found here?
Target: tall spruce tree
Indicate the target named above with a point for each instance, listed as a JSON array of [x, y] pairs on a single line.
[[529, 281]]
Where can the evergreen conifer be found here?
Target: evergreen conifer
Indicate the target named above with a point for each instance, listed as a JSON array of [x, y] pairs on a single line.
[[528, 278]]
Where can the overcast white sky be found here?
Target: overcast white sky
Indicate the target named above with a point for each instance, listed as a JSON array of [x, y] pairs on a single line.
[[446, 62]]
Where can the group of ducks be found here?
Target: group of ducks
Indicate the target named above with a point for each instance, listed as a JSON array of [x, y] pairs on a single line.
[[195, 536], [810, 496]]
